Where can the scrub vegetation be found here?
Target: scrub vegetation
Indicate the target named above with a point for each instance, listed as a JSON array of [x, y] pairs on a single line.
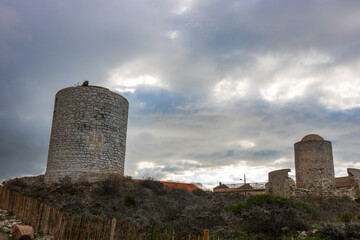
[[231, 216]]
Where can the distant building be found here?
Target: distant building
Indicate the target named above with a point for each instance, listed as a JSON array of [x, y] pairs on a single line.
[[244, 189], [221, 186]]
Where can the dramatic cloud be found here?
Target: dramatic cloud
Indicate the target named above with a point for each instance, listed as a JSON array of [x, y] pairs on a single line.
[[216, 89]]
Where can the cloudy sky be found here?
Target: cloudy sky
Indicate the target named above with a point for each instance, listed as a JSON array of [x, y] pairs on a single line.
[[217, 89]]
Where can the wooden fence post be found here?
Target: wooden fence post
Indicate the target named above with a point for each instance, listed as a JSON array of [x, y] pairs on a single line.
[[6, 200], [1, 196], [112, 230], [206, 234]]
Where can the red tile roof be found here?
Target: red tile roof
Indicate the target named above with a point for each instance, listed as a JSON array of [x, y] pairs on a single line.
[[188, 186]]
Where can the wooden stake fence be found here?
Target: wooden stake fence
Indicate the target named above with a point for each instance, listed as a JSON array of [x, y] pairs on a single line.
[[68, 226]]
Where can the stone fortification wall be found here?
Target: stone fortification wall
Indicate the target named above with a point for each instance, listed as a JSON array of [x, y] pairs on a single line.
[[88, 135], [343, 182], [315, 178], [354, 174], [280, 184], [350, 185], [314, 165]]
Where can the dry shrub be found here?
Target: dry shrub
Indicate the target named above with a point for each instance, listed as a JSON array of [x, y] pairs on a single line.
[[15, 184], [340, 231], [111, 185], [74, 207], [66, 186], [334, 207], [199, 192], [336, 232], [155, 186], [275, 221], [352, 230]]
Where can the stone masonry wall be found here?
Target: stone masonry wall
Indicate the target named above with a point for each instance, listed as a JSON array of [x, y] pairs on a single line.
[[280, 184], [88, 136], [350, 185]]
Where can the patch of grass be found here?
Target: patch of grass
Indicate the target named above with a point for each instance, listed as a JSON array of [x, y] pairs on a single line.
[[346, 217]]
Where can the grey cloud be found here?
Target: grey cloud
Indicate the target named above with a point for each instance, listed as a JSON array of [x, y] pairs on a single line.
[[275, 24], [155, 173], [51, 45], [178, 167], [273, 129], [23, 151]]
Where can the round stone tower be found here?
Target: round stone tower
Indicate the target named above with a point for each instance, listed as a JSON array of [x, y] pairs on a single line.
[[88, 135], [314, 165]]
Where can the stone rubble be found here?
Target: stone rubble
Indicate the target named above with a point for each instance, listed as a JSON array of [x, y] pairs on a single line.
[[7, 222]]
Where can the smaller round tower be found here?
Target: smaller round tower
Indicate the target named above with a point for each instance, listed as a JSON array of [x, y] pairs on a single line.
[[314, 166]]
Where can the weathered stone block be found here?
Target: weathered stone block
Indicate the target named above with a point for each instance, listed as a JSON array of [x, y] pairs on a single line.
[[22, 232]]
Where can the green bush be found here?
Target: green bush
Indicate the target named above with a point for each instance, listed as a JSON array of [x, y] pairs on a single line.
[[130, 201], [273, 216], [267, 200]]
